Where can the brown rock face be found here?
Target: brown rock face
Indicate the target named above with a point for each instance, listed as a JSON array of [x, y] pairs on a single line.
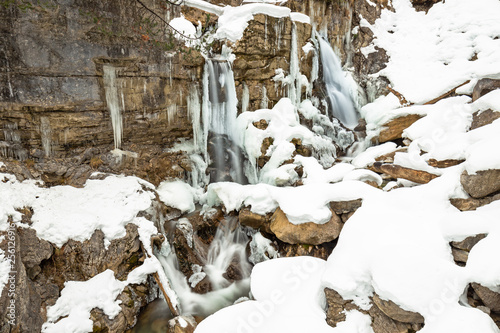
[[482, 183], [397, 171], [483, 87], [484, 118], [305, 233], [393, 129], [57, 97], [42, 270]]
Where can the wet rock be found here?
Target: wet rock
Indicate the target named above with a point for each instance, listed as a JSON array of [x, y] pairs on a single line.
[[321, 251], [473, 203], [483, 87], [182, 324], [393, 311], [490, 298], [305, 233], [253, 220], [396, 171], [394, 128], [483, 118], [481, 184]]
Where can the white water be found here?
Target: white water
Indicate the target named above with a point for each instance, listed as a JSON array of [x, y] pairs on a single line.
[[228, 245], [219, 117], [113, 102], [339, 99]]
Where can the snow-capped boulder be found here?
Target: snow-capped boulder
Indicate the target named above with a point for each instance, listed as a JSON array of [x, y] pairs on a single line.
[[305, 233], [482, 183]]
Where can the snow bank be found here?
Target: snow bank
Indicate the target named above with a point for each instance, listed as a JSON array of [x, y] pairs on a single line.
[[307, 203], [293, 301], [234, 20], [178, 194], [432, 53]]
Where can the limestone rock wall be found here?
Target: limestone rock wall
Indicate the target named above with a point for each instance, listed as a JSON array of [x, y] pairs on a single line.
[[51, 78]]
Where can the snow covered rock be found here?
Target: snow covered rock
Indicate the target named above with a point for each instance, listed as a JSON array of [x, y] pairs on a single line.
[[483, 87], [490, 298], [182, 324], [395, 312], [482, 118], [482, 183], [394, 128], [397, 171], [305, 233]]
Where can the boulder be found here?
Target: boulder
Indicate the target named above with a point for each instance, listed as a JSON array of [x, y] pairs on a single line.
[[305, 233], [397, 171], [253, 220], [490, 298], [483, 118], [345, 207], [394, 128], [472, 203], [468, 243], [482, 183], [336, 307], [395, 312], [483, 87]]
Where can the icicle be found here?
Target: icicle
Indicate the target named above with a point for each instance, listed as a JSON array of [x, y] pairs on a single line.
[[112, 100], [194, 109], [46, 134], [171, 113], [265, 100], [245, 98]]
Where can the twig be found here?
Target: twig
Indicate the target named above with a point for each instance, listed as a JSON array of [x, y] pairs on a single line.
[[165, 22], [451, 92]]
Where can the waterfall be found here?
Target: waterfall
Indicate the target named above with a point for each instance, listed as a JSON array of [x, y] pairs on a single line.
[[338, 97], [228, 247], [219, 117], [113, 102]]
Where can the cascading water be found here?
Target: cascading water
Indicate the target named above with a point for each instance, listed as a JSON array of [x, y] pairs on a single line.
[[219, 117], [227, 248], [339, 100]]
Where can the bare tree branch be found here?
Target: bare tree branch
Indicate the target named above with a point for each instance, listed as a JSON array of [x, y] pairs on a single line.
[[156, 16]]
